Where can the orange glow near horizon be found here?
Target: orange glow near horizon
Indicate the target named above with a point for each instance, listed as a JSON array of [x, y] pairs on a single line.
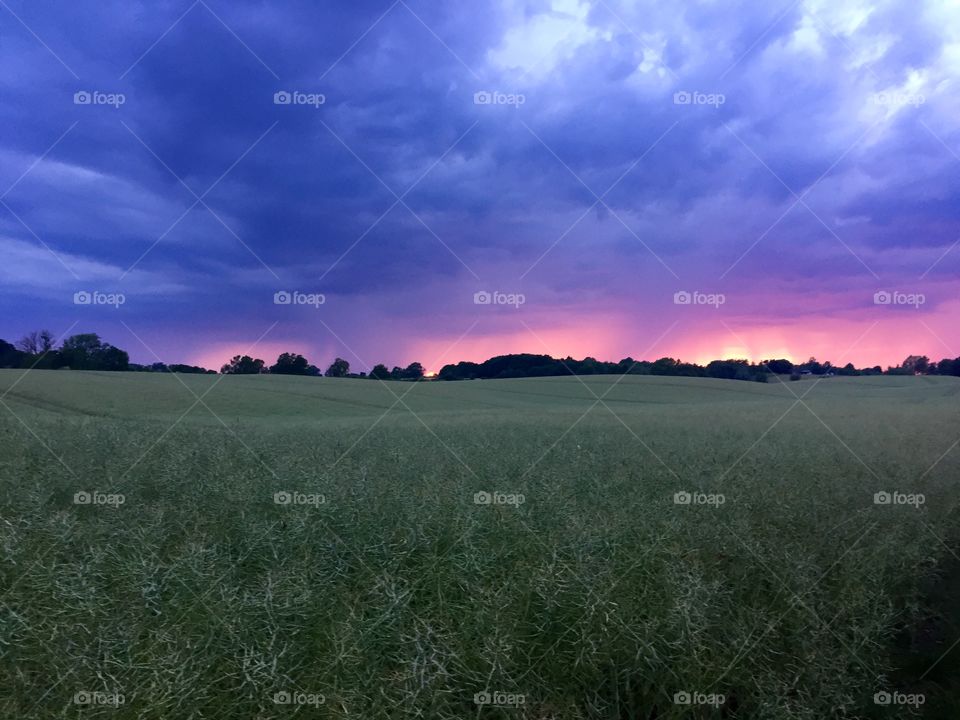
[[885, 341], [879, 338]]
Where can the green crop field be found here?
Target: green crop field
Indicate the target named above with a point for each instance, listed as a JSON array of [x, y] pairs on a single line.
[[646, 547]]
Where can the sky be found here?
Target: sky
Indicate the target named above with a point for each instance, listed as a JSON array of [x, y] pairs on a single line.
[[434, 182]]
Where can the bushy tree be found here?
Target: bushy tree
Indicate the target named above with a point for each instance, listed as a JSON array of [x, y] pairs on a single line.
[[848, 369], [338, 368], [948, 367], [780, 366], [916, 364], [243, 365], [413, 371], [10, 357], [112, 358], [463, 370], [813, 366], [87, 352], [380, 372], [737, 370], [291, 364]]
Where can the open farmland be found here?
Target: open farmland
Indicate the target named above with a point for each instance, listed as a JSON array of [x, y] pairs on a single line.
[[636, 543]]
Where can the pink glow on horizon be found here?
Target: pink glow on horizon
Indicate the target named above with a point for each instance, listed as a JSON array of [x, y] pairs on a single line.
[[881, 337], [870, 337]]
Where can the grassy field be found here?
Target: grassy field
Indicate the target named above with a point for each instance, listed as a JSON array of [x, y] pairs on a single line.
[[270, 547]]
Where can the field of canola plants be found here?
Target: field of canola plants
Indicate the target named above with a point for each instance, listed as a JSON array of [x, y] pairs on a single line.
[[594, 547]]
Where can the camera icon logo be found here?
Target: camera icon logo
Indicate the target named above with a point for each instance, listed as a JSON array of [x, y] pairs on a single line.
[[82, 298], [482, 97], [682, 297], [82, 697], [882, 297], [882, 698], [82, 97], [682, 498], [282, 698], [882, 498], [482, 298], [482, 498], [282, 497], [682, 698], [82, 498], [282, 298], [682, 98], [481, 698], [282, 97]]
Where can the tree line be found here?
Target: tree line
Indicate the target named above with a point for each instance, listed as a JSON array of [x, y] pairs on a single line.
[[528, 365], [86, 351], [295, 364]]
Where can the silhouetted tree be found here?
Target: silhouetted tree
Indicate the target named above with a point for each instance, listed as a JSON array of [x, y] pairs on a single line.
[[814, 367], [291, 364], [10, 357], [737, 370], [848, 369], [243, 365], [413, 371], [87, 352], [916, 364], [463, 370], [112, 358], [664, 366], [380, 372], [338, 368], [36, 342], [948, 367], [780, 367]]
